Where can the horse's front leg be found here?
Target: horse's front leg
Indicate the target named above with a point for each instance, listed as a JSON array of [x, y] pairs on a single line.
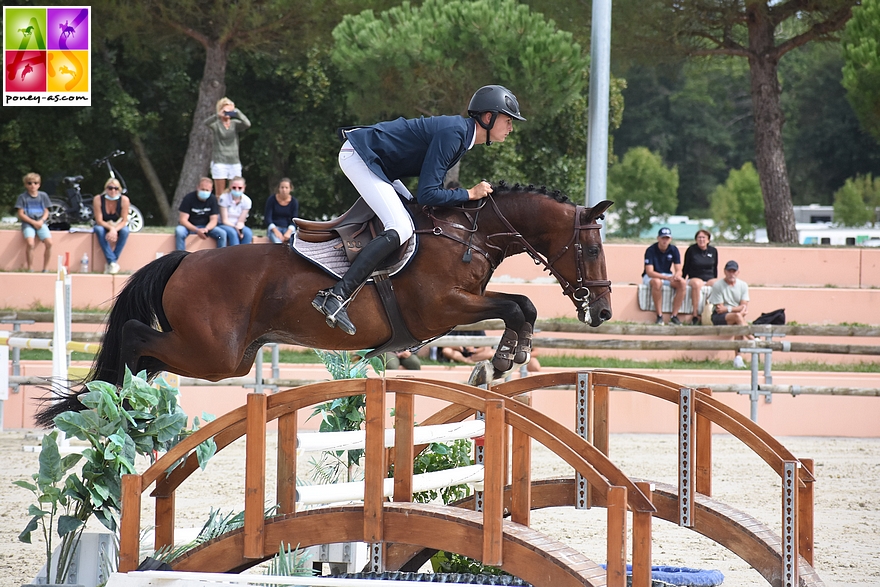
[[518, 331]]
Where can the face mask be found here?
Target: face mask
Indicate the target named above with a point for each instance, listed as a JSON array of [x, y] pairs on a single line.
[[203, 195], [236, 193], [114, 198]]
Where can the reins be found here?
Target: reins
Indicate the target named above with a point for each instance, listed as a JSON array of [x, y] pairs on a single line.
[[580, 294]]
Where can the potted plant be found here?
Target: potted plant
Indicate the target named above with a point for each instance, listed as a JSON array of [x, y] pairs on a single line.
[[118, 424]]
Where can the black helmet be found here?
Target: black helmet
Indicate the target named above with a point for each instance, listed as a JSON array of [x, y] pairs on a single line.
[[494, 99]]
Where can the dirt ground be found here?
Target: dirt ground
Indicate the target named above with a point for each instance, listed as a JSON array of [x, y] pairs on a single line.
[[847, 503]]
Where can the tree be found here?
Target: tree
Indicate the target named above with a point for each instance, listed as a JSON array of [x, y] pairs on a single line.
[[642, 188], [861, 73], [737, 206], [855, 203], [219, 28], [762, 31]]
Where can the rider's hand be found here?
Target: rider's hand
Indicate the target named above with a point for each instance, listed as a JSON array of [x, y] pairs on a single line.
[[480, 191]]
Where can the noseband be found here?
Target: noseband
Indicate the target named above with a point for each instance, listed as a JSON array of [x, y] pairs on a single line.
[[580, 294]]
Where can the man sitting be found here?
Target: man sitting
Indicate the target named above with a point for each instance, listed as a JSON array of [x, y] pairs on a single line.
[[730, 298], [663, 267]]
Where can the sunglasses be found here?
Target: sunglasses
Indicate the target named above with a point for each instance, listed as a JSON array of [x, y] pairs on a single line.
[[33, 183], [112, 187]]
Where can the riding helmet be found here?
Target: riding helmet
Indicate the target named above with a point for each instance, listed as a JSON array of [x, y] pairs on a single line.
[[494, 99]]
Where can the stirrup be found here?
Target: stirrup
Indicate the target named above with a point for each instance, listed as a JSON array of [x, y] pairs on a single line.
[[334, 316]]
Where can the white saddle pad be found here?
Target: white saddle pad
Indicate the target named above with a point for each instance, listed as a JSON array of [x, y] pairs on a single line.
[[330, 256]]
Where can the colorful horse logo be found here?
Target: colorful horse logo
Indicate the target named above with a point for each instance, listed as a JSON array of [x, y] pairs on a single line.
[[67, 70], [27, 69], [25, 33], [66, 30]]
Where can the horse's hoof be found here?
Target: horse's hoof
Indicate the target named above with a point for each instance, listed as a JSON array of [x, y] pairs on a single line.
[[480, 374]]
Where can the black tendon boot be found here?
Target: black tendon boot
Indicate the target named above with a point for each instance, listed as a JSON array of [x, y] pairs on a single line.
[[332, 302]]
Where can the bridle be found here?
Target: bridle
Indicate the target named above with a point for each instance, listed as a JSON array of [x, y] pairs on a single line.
[[578, 293]]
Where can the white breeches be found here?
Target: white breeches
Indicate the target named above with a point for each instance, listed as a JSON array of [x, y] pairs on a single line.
[[376, 192]]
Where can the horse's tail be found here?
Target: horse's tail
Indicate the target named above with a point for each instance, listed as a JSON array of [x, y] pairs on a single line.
[[141, 300]]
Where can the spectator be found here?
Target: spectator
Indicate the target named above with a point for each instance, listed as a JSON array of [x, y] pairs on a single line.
[[198, 215], [402, 360], [281, 209], [700, 268], [467, 354], [234, 208], [663, 267], [225, 126], [111, 222], [32, 208], [730, 298]]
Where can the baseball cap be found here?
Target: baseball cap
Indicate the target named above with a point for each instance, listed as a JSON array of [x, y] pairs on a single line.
[[731, 266], [665, 232]]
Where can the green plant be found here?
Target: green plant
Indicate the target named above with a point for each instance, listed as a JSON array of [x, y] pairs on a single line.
[[439, 456], [449, 562], [290, 562], [118, 424]]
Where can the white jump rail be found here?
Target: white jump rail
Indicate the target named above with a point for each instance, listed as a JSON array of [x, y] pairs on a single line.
[[356, 439]]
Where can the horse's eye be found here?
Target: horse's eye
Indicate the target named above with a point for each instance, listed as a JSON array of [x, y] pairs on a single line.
[[593, 251]]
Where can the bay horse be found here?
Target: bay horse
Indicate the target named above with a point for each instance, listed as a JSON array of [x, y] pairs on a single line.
[[206, 314]]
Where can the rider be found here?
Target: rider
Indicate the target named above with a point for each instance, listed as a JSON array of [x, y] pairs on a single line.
[[374, 158]]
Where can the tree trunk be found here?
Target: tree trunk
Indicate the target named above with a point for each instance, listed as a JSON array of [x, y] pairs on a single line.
[[152, 178], [769, 153], [198, 154]]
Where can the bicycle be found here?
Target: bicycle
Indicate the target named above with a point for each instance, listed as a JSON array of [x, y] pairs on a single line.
[[78, 208]]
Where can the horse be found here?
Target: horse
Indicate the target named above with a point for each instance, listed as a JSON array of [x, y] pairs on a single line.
[[206, 314]]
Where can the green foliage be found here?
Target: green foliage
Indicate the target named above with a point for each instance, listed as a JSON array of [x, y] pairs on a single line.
[[118, 425], [855, 203], [861, 72], [439, 457], [290, 562], [642, 187], [427, 59], [449, 562], [738, 206]]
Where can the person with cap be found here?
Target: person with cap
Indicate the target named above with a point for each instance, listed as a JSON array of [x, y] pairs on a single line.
[[375, 158], [663, 267], [730, 298]]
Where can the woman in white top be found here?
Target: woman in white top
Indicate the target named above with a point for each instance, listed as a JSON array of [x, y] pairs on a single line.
[[234, 209]]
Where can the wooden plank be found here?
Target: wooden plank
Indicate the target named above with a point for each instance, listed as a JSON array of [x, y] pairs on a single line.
[[255, 476], [374, 467], [805, 514], [130, 523], [404, 449], [521, 483], [616, 540], [641, 570], [164, 518], [493, 482], [285, 491], [601, 430], [704, 450]]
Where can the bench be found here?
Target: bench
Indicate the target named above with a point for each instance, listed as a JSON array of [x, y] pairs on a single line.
[[646, 303]]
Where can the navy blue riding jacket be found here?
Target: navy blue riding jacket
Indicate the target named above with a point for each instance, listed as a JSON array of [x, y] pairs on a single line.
[[418, 147]]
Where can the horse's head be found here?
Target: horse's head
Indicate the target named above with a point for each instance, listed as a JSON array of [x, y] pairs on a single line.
[[567, 240]]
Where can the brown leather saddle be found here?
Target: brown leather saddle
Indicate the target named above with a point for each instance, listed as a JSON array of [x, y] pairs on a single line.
[[355, 228]]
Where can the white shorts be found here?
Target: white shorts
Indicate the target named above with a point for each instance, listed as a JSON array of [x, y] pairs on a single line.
[[225, 170], [379, 195]]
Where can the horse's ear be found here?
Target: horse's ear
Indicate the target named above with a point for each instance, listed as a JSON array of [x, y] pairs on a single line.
[[598, 210]]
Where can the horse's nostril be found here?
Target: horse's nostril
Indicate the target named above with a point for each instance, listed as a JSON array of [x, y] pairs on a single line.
[[605, 315]]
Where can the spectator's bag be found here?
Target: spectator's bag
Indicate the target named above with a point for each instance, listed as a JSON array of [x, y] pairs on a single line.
[[774, 317]]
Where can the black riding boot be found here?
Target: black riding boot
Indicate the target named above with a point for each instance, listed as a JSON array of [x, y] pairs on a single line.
[[332, 302]]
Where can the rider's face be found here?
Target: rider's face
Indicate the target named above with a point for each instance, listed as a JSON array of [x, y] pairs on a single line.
[[503, 127]]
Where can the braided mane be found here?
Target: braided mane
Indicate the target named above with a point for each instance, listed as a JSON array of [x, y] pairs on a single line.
[[517, 188]]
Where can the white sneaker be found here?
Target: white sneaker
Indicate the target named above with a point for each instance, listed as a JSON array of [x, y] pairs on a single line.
[[738, 362], [114, 268]]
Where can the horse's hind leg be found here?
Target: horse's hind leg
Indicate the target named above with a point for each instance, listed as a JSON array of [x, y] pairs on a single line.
[[144, 347]]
